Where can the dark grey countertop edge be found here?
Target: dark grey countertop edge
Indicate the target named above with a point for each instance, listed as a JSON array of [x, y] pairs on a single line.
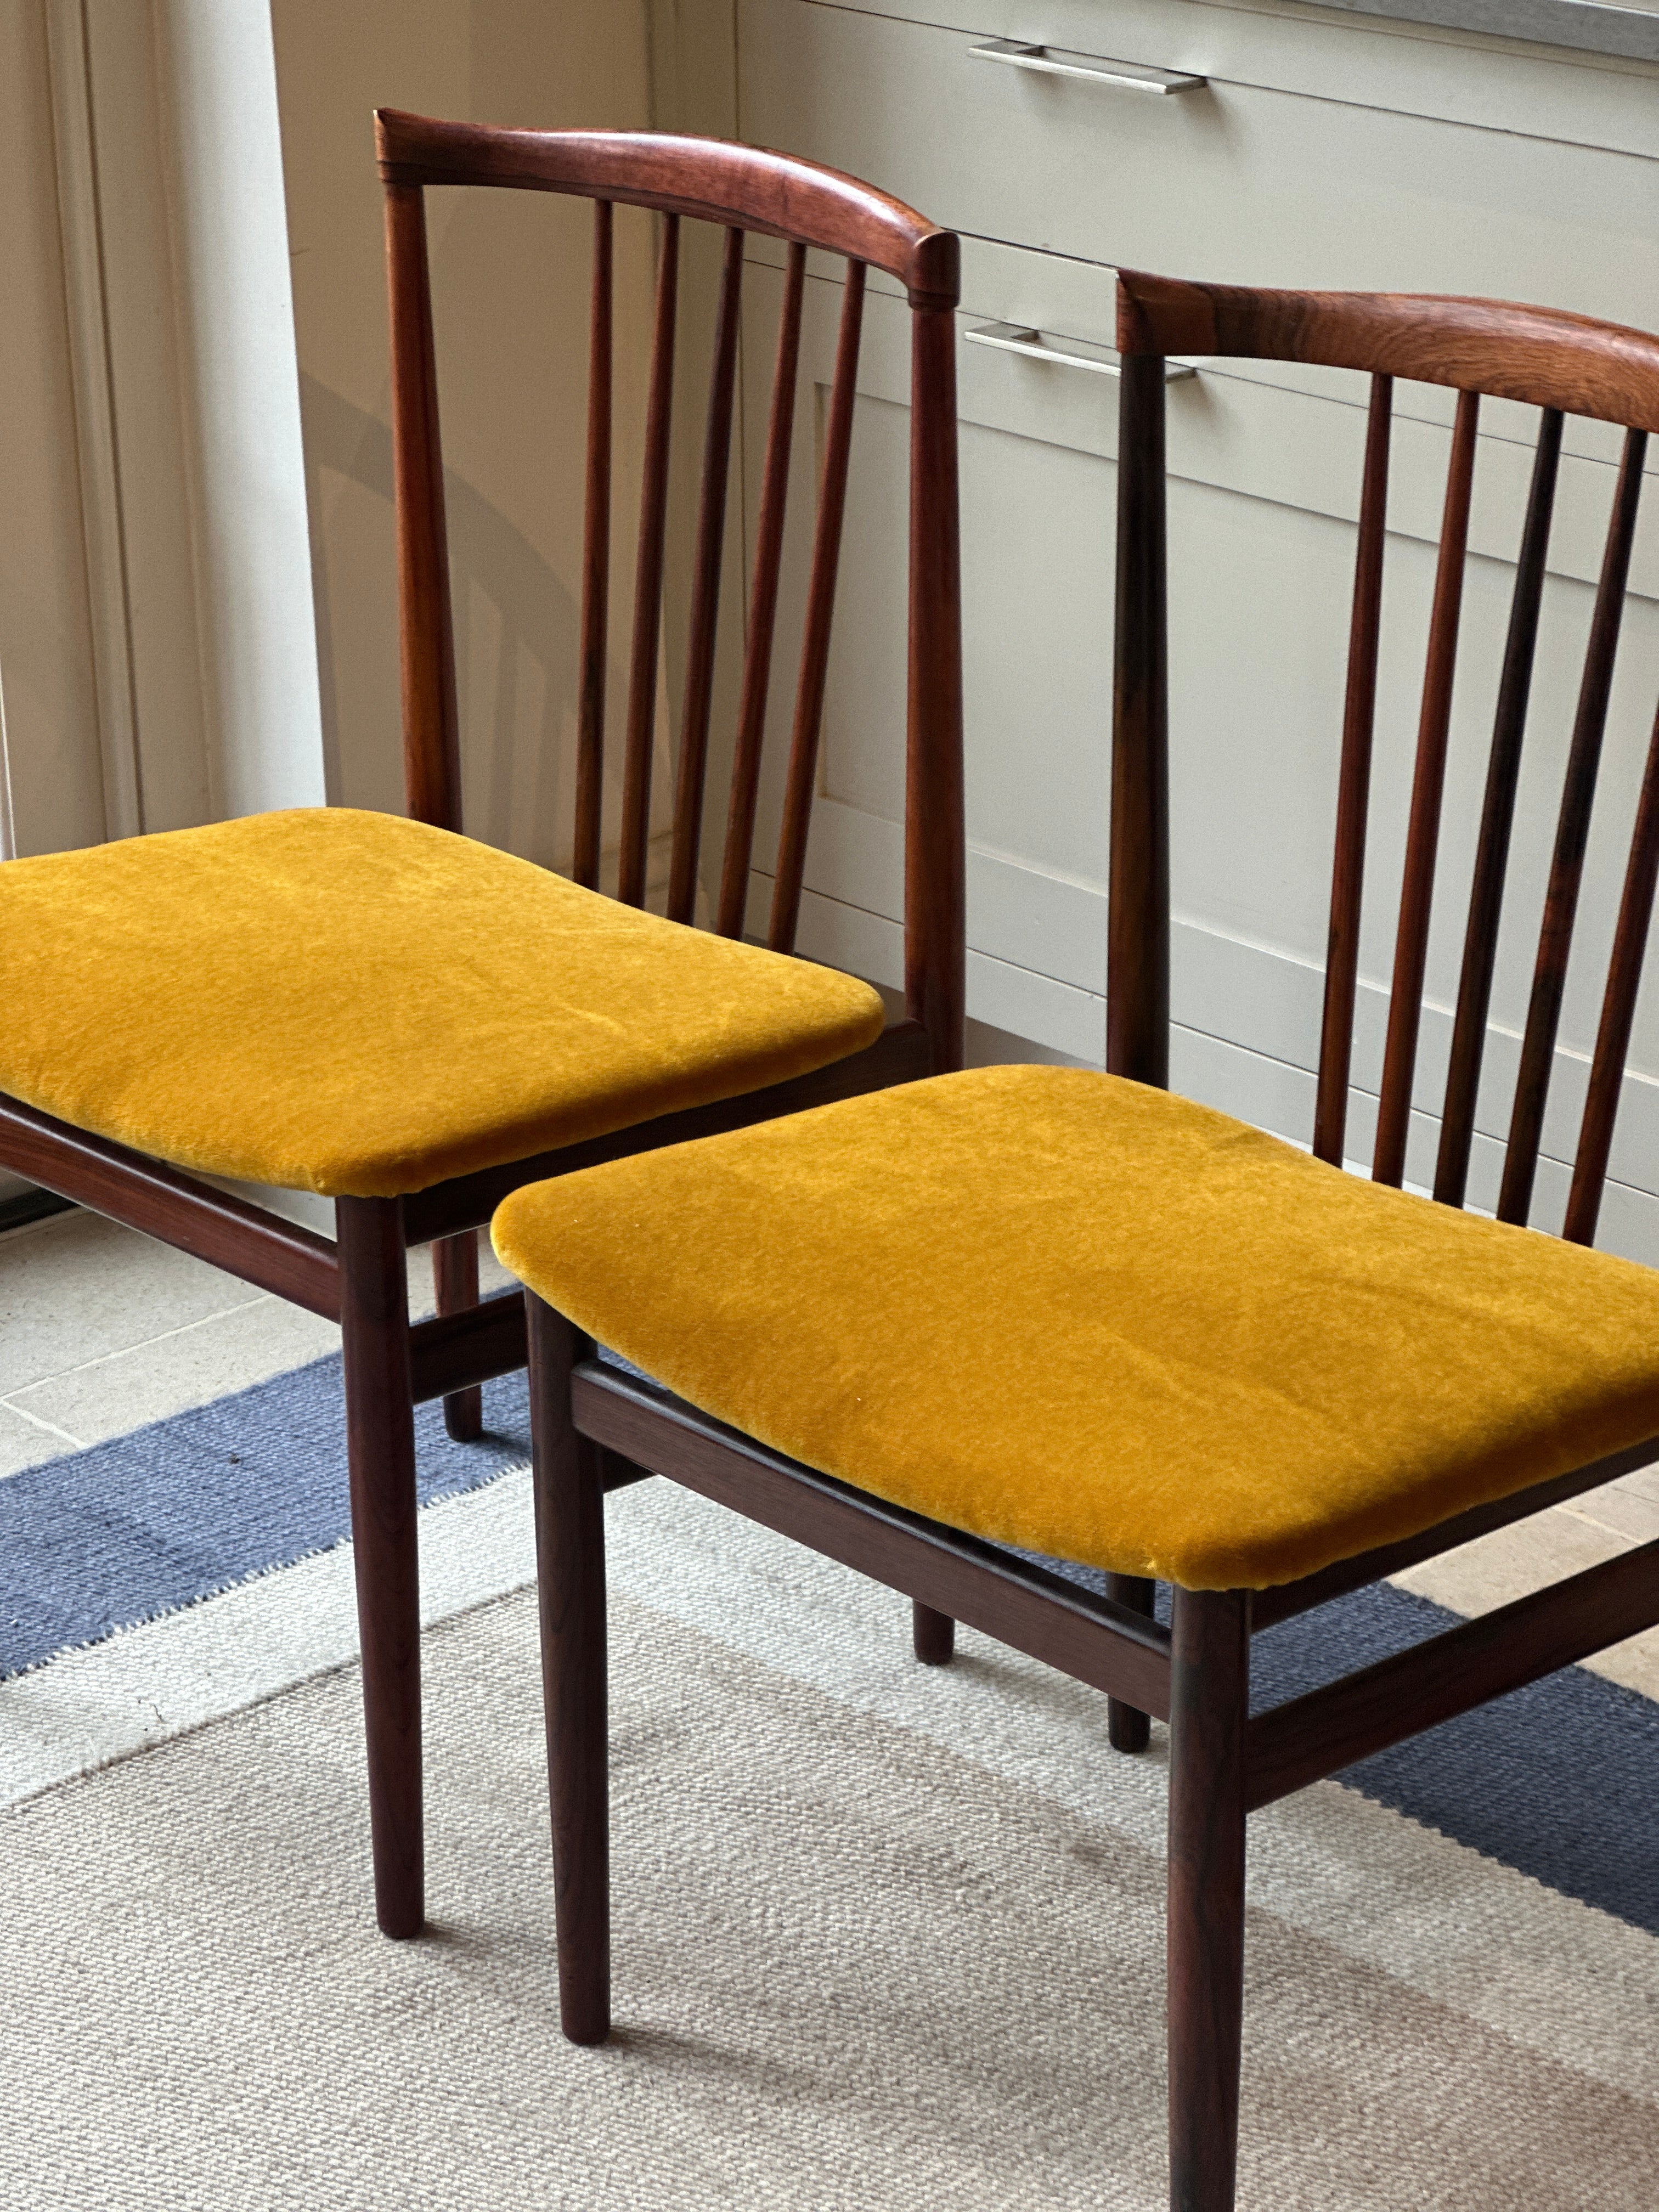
[[1626, 32]]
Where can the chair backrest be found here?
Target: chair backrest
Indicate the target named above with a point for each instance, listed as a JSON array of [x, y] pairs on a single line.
[[1563, 364], [742, 189]]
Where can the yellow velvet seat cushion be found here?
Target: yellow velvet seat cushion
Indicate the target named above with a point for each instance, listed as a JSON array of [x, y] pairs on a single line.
[[1066, 1312], [346, 1002]]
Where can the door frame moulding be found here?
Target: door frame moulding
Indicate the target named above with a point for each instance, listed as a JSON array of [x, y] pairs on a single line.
[[80, 225]]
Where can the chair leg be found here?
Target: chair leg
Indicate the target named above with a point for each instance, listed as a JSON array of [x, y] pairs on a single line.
[[380, 1438], [570, 1574], [1210, 1708], [933, 1634], [455, 1279], [1127, 1728]]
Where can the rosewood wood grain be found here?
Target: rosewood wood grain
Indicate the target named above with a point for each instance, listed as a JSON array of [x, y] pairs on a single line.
[[1210, 1704], [1428, 786], [164, 1202], [1571, 837], [1497, 819], [708, 179], [431, 766], [1542, 356], [455, 1286], [1126, 1728], [900, 1055], [596, 560], [570, 1585], [1354, 787], [648, 578], [380, 1450], [1363, 1713], [706, 591], [801, 774], [1086, 1637], [935, 838], [1287, 1600], [1589, 1171], [1138, 920], [457, 1351]]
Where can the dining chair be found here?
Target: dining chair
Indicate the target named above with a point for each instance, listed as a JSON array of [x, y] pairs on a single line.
[[410, 1023], [1069, 1312]]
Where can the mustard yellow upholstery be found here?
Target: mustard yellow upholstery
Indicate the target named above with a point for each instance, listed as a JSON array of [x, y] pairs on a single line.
[[1066, 1312], [345, 1002]]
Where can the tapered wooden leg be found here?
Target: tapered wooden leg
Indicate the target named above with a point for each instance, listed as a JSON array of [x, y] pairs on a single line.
[[1127, 1728], [380, 1438], [455, 1279], [570, 1572], [1209, 1710], [933, 1634]]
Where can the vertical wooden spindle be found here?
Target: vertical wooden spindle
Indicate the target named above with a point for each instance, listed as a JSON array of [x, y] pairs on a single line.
[[762, 604], [647, 587], [1496, 817], [706, 591], [432, 763], [1353, 788], [1138, 926], [1571, 836], [1428, 783], [596, 564], [1589, 1172], [935, 839], [802, 771]]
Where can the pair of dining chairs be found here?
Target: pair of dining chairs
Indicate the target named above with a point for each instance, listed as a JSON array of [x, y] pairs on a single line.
[[1209, 1359]]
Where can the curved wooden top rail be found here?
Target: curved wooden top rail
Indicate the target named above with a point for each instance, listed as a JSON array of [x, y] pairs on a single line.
[[1541, 355], [744, 187]]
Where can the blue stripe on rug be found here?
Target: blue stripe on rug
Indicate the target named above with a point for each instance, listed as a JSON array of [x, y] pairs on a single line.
[[103, 1539], [1558, 1780]]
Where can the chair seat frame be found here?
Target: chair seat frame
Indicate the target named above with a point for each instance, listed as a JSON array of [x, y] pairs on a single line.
[[359, 1279], [1224, 1763]]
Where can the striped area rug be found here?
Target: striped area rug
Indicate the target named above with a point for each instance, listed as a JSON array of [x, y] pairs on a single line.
[[885, 1934]]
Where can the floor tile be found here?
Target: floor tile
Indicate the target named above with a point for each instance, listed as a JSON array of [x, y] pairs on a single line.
[[1627, 1513], [208, 1359], [1644, 1483], [25, 1443], [76, 1288], [1505, 1565]]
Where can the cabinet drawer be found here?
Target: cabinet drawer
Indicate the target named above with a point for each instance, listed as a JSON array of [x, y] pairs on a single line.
[[1235, 181]]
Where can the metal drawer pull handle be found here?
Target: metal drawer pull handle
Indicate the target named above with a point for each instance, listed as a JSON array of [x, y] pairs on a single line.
[[1031, 345], [1130, 76]]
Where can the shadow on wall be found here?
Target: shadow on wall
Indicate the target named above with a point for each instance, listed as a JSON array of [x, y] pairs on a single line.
[[515, 638]]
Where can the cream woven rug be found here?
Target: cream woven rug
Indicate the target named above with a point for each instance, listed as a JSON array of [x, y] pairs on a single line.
[[885, 1936]]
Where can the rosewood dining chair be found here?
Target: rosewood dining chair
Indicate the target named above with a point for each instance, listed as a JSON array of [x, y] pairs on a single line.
[[1099, 1322], [381, 1011]]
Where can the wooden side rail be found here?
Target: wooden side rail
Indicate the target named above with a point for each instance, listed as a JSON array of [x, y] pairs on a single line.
[[1091, 1638], [900, 1054], [453, 1351], [1300, 1742], [144, 1193], [1269, 1607]]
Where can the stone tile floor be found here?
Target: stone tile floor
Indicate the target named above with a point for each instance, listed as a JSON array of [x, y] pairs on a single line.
[[102, 1330]]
